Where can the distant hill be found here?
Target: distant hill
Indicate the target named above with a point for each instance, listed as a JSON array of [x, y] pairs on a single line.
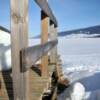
[[93, 31], [88, 30]]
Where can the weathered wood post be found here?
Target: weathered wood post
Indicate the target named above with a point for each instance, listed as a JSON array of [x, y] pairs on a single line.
[[53, 36], [19, 40], [53, 53], [44, 39]]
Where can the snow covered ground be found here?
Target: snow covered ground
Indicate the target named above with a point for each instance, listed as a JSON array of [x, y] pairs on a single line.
[[81, 64]]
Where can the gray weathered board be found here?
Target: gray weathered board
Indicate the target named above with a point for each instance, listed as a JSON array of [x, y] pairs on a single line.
[[33, 54], [46, 9]]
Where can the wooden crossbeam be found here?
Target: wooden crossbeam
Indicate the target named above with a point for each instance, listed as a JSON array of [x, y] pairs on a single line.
[[46, 9]]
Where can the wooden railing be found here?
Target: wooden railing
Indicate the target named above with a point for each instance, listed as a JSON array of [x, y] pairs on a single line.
[[46, 9], [23, 56]]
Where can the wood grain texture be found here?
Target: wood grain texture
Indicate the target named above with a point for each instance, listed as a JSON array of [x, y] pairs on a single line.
[[33, 54], [46, 9], [19, 40], [53, 36], [44, 39]]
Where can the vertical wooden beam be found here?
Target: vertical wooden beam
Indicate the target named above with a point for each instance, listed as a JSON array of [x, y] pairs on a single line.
[[54, 96], [53, 36], [53, 53], [0, 87], [44, 39], [19, 40]]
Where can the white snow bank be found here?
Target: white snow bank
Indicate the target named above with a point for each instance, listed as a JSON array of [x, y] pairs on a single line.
[[5, 51], [78, 92], [74, 92], [91, 85]]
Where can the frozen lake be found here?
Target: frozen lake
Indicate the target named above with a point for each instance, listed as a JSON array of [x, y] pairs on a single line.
[[79, 52]]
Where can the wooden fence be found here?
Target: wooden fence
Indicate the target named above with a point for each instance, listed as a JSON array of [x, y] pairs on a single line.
[[23, 57]]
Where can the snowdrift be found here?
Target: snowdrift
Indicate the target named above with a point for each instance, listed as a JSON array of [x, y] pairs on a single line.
[[5, 51], [81, 63]]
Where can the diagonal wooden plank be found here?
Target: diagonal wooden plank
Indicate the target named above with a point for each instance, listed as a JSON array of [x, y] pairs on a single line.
[[33, 54]]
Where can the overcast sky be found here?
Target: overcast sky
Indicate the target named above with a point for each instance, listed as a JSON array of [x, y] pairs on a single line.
[[71, 14]]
